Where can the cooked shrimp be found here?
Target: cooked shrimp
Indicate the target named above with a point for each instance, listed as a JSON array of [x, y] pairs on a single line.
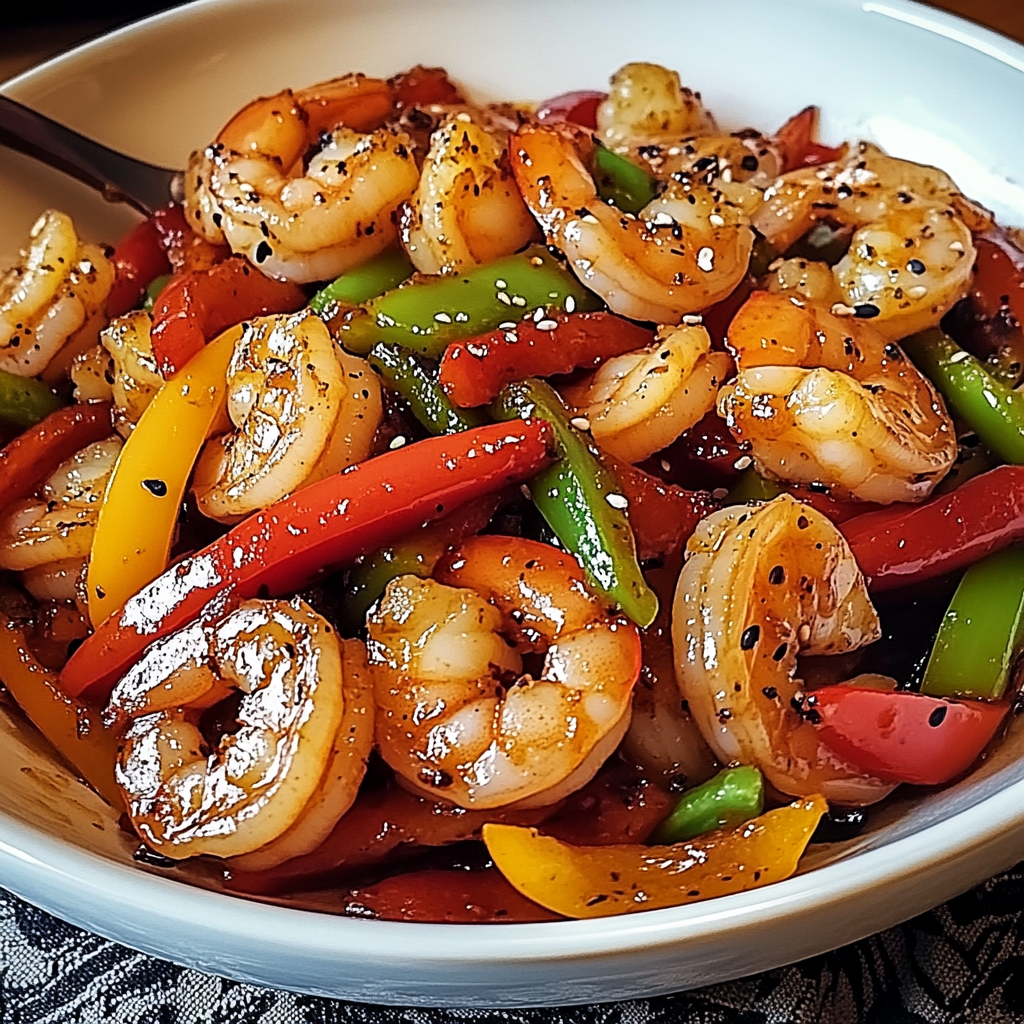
[[911, 257], [297, 219], [806, 279], [344, 772], [260, 780], [58, 525], [121, 369], [456, 716], [760, 586], [53, 297], [686, 249], [467, 209], [647, 105], [62, 580], [303, 409], [640, 402], [827, 399]]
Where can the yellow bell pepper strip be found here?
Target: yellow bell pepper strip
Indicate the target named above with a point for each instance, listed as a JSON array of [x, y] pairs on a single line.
[[599, 881], [136, 524], [425, 316], [74, 730]]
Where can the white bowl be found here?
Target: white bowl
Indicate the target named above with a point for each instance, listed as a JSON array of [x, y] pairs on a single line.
[[922, 83]]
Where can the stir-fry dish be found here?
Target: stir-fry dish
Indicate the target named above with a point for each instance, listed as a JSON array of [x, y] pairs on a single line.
[[458, 512]]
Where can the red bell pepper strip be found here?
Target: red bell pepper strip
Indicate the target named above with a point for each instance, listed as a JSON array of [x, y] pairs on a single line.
[[998, 290], [579, 107], [420, 86], [475, 370], [663, 516], [33, 455], [902, 545], [293, 541], [796, 146], [901, 736], [197, 306], [137, 259], [186, 250]]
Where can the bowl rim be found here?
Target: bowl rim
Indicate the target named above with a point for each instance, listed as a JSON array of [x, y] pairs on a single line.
[[37, 866]]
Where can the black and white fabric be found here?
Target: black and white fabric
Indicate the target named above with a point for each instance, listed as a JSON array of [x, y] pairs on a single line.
[[962, 963]]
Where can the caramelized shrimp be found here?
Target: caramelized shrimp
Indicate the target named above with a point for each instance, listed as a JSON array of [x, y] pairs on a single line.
[[640, 402], [911, 256], [760, 586], [827, 399], [647, 106], [56, 528], [258, 782], [300, 219], [467, 209], [303, 409], [458, 718], [55, 297], [686, 250]]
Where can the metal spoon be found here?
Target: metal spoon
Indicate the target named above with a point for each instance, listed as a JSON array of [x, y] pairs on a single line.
[[120, 178]]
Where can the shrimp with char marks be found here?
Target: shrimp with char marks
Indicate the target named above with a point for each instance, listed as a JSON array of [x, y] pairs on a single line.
[[457, 718], [53, 298], [760, 586], [467, 209], [302, 408], [826, 399], [911, 256], [300, 219], [686, 250], [298, 754]]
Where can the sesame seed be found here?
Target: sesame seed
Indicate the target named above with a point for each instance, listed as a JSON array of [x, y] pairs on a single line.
[[617, 500], [580, 422]]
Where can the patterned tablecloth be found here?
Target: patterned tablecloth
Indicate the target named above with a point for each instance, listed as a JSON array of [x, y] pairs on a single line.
[[962, 963]]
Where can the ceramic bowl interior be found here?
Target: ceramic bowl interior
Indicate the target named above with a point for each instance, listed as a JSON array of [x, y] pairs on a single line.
[[923, 84]]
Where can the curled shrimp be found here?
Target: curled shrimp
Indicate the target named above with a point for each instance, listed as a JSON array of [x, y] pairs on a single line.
[[647, 106], [120, 369], [56, 528], [686, 249], [911, 256], [302, 409], [827, 399], [257, 782], [456, 716], [53, 298], [467, 209], [805, 279], [760, 586], [638, 403], [302, 219]]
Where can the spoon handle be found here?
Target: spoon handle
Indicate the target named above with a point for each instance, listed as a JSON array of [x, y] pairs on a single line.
[[118, 177]]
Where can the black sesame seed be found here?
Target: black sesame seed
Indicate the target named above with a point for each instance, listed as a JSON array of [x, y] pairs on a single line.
[[155, 487], [937, 717], [777, 575], [750, 637], [263, 252], [780, 652], [916, 267], [770, 692], [866, 311]]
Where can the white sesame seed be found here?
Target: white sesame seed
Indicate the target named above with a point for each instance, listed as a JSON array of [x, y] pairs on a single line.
[[743, 462], [546, 325], [716, 221], [617, 500], [580, 422], [957, 246], [692, 319], [666, 465], [570, 303], [442, 318], [841, 309], [919, 291], [518, 300], [508, 325], [706, 259], [503, 297], [397, 442], [501, 284], [525, 491], [959, 357]]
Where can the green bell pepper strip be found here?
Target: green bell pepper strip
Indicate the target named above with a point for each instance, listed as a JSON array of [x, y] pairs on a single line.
[[732, 797], [24, 401], [426, 317], [582, 501], [403, 371], [992, 410], [751, 487], [982, 632], [621, 182], [153, 290], [364, 282]]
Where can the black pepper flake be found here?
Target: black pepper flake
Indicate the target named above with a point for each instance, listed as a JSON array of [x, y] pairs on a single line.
[[263, 252], [750, 637], [866, 311], [101, 593], [155, 487], [770, 692], [802, 523], [938, 716], [916, 267]]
